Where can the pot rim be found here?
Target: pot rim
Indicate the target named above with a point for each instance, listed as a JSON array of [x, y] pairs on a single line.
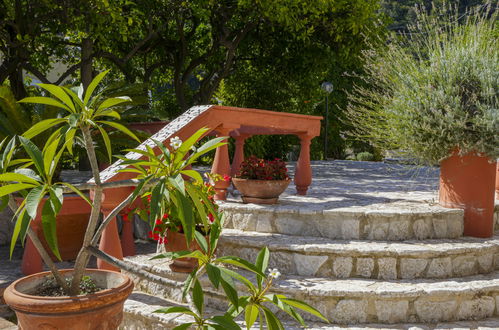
[[20, 301], [256, 180]]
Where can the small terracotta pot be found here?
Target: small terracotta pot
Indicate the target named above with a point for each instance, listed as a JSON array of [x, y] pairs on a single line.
[[177, 243], [468, 182], [260, 191], [100, 310], [497, 181]]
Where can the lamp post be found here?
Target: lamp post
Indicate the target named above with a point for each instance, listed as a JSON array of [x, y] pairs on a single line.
[[327, 87]]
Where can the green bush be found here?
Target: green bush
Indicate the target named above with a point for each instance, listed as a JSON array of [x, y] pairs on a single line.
[[365, 156], [436, 89]]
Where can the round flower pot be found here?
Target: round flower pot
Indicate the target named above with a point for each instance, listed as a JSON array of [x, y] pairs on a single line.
[[176, 243], [260, 191], [468, 182], [100, 310]]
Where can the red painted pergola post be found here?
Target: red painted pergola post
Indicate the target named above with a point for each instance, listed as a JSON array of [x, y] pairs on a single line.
[[221, 165], [303, 172], [238, 153]]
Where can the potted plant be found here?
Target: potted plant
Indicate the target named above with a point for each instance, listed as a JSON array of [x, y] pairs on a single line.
[[433, 93], [96, 296], [179, 229], [261, 181]]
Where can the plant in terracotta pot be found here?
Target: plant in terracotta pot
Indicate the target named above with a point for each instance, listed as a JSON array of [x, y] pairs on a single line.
[[85, 112], [433, 93], [261, 181], [180, 206]]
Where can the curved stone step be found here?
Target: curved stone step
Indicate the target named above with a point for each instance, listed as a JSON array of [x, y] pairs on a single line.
[[139, 315], [383, 221], [323, 257], [358, 301]]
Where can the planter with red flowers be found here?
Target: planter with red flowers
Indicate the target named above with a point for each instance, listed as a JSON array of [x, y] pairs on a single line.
[[261, 181]]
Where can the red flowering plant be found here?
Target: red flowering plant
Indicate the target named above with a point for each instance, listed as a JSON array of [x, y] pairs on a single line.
[[175, 196], [170, 219], [255, 168]]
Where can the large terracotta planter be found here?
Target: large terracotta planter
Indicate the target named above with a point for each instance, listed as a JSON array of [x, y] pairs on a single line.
[[497, 181], [260, 191], [102, 310], [177, 243], [71, 225], [468, 182]]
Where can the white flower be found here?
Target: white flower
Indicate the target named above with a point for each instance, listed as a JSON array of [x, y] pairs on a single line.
[[193, 148], [274, 273], [175, 143]]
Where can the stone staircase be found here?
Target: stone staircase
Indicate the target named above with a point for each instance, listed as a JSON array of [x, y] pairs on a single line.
[[397, 266]]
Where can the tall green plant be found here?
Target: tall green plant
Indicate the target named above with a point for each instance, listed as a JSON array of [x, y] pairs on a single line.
[[254, 305], [435, 89]]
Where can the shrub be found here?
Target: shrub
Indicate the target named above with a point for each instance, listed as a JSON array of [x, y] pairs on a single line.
[[365, 156], [435, 89]]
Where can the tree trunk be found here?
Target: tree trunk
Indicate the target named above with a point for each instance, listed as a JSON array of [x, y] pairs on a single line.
[[86, 70]]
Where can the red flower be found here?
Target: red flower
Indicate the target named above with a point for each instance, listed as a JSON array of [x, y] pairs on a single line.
[[150, 234], [226, 178], [211, 217], [156, 237], [159, 222], [125, 217], [165, 241], [165, 216]]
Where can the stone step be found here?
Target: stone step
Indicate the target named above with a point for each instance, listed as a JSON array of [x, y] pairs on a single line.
[[323, 257], [358, 301], [384, 221], [139, 315]]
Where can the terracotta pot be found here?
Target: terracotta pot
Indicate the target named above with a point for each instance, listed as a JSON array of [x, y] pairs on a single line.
[[100, 310], [260, 191], [497, 181], [176, 243], [468, 182]]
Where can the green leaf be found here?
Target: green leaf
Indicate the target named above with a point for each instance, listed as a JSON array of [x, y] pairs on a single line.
[[240, 278], [187, 144], [59, 92], [215, 231], [197, 296], [22, 222], [107, 143], [75, 97], [213, 274], [121, 128], [93, 84], [184, 210], [12, 188], [46, 101], [207, 147], [276, 300], [273, 322], [201, 241], [175, 309], [188, 283], [241, 263], [304, 306], [49, 224], [49, 154], [226, 322], [111, 102], [4, 202], [34, 153], [193, 174], [33, 200], [42, 126], [29, 173], [250, 315], [262, 262], [73, 120], [69, 139], [192, 191], [184, 326], [229, 288], [178, 183], [21, 178]]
